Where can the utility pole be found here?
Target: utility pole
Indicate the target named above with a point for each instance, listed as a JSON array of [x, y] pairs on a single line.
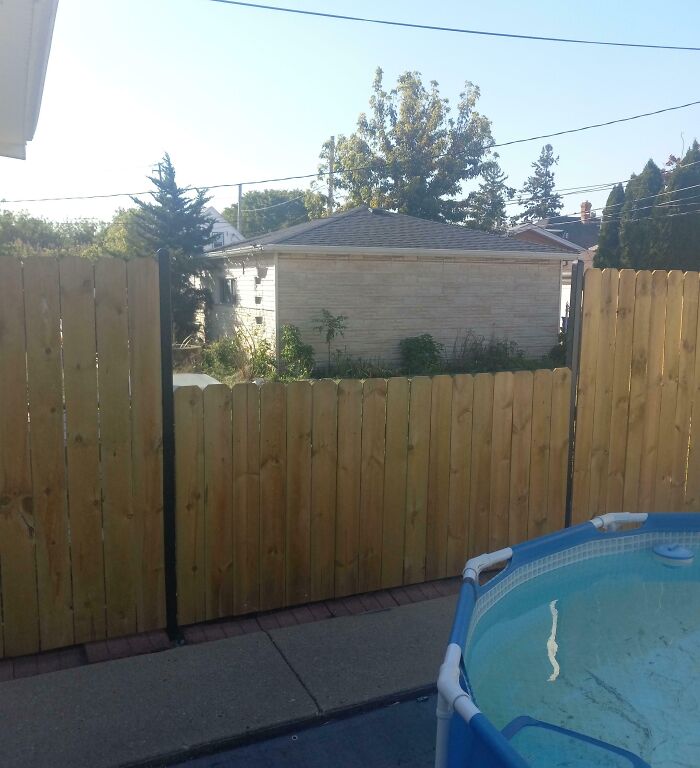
[[238, 212], [331, 169]]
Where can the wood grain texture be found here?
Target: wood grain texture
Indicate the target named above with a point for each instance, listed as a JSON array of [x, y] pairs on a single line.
[[20, 610], [502, 430], [480, 501], [538, 515], [324, 470], [460, 473], [519, 496], [374, 392], [273, 486], [439, 478], [395, 468], [77, 283], [189, 505], [46, 413]]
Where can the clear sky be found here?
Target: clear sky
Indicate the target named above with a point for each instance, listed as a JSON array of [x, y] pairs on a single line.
[[236, 94]]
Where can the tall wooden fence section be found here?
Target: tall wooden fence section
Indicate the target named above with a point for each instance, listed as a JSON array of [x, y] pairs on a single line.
[[305, 491], [638, 408], [81, 537]]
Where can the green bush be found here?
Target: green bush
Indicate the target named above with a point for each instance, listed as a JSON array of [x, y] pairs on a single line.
[[225, 358], [297, 358], [346, 367], [476, 354], [262, 363], [421, 354]]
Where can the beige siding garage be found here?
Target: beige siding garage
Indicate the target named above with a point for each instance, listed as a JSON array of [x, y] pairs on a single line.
[[389, 299]]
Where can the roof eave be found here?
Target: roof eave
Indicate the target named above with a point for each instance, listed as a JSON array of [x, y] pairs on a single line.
[[314, 250]]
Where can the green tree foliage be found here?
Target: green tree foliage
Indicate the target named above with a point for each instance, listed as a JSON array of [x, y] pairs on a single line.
[[486, 208], [176, 220], [297, 357], [538, 195], [608, 254], [417, 153], [23, 235], [676, 244], [330, 326], [270, 209], [638, 226]]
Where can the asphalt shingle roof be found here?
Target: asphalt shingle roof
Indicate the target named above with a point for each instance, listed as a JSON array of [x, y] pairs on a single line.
[[375, 228]]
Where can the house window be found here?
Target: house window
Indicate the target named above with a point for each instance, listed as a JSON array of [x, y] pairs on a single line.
[[227, 290], [217, 240]]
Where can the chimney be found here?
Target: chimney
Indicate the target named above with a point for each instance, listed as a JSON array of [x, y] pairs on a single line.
[[585, 212]]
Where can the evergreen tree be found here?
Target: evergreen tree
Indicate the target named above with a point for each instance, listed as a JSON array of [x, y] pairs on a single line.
[[414, 153], [608, 254], [638, 226], [677, 231], [176, 220], [486, 208], [537, 194]]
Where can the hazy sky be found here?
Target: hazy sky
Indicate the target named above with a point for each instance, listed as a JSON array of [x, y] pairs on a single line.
[[236, 94]]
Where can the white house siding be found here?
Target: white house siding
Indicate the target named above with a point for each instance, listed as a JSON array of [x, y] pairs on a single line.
[[389, 299], [225, 319]]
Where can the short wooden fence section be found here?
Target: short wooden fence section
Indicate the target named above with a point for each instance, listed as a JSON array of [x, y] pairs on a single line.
[[290, 493]]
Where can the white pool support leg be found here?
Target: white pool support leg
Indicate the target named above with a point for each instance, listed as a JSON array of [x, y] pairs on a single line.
[[451, 698]]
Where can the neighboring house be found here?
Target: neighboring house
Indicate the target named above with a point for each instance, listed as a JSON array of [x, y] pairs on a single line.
[[224, 233], [26, 28], [576, 234], [393, 276]]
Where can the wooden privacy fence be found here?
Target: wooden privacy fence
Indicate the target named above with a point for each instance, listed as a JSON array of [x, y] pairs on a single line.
[[638, 408], [81, 525], [305, 491]]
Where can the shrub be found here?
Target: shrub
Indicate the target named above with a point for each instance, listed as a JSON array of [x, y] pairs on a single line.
[[421, 354], [224, 358], [346, 367], [476, 354], [262, 363], [297, 358]]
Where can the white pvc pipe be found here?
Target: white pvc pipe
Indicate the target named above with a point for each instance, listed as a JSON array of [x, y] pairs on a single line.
[[477, 564], [451, 698], [611, 520]]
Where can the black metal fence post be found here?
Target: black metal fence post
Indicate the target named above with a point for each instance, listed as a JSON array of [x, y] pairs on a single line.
[[573, 356], [166, 369]]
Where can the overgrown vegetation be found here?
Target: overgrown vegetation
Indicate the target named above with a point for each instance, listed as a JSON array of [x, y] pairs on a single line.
[[421, 354], [296, 357], [330, 326]]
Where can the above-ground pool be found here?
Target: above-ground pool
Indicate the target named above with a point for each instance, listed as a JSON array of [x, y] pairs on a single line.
[[583, 651]]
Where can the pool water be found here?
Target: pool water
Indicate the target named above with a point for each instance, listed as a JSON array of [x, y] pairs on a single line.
[[608, 647]]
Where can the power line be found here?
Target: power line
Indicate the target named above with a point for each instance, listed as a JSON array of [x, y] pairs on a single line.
[[459, 30], [370, 167]]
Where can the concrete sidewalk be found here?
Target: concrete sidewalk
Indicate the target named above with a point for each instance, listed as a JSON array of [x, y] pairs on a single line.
[[156, 708]]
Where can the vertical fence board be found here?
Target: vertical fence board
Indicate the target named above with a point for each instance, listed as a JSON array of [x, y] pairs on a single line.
[[669, 392], [41, 290], [691, 500], [245, 473], [417, 479], [585, 395], [600, 450], [77, 284], [538, 515], [147, 446], [620, 392], [273, 481], [480, 501], [637, 394], [559, 449], [324, 467], [519, 495], [502, 433], [189, 505], [120, 533], [394, 503], [218, 501], [348, 487], [20, 631], [460, 473], [298, 518], [439, 478], [686, 389], [654, 386], [372, 484]]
